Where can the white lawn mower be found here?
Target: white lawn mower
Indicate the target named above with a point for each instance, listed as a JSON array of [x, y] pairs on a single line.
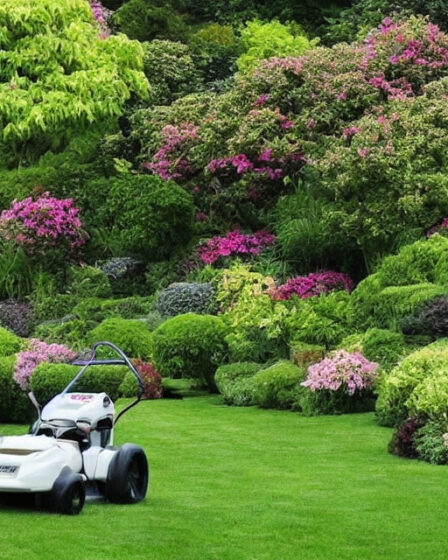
[[70, 449]]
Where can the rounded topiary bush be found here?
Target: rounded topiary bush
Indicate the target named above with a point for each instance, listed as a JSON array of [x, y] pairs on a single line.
[[185, 297], [149, 217], [132, 336], [9, 343], [14, 404], [190, 346], [278, 386], [235, 382], [49, 379]]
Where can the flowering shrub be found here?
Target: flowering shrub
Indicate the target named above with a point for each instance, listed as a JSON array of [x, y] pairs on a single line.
[[234, 243], [101, 16], [351, 372], [152, 380], [37, 353], [312, 285], [169, 161], [43, 224]]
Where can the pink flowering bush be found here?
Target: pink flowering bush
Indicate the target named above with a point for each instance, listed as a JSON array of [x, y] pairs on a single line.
[[169, 162], [352, 372], [314, 284], [234, 243], [37, 353], [43, 225], [342, 382]]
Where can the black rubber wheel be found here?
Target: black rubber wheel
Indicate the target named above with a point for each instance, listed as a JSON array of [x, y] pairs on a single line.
[[128, 475], [68, 494]]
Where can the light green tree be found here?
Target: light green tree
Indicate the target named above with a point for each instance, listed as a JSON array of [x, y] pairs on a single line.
[[59, 74]]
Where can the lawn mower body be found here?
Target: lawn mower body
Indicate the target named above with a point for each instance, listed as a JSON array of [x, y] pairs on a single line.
[[70, 450]]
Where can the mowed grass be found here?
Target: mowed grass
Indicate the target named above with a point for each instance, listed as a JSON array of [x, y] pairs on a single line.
[[250, 484]]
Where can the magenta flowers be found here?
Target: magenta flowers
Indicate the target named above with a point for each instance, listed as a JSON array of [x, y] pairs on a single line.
[[351, 372], [37, 353], [313, 285], [234, 243], [37, 225]]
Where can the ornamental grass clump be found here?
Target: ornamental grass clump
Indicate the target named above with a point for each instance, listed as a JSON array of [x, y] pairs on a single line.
[[37, 353], [342, 382]]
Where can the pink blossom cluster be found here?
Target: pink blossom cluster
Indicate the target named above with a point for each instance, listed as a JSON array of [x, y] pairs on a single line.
[[436, 229], [234, 243], [101, 15], [350, 131], [312, 285], [352, 372], [168, 162], [273, 168], [395, 89], [429, 50], [37, 353], [42, 223], [152, 381], [289, 63]]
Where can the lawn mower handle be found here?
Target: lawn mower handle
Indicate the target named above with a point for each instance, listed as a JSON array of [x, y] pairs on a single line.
[[92, 361]]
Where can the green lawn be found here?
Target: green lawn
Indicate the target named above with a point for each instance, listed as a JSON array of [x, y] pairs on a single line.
[[250, 484]]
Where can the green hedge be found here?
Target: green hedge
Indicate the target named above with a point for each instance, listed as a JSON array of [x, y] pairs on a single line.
[[9, 343], [190, 346], [132, 336], [235, 382], [15, 406], [49, 379], [279, 385]]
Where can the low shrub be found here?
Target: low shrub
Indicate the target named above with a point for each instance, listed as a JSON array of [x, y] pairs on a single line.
[[88, 282], [432, 319], [53, 307], [190, 346], [278, 386], [132, 336], [383, 346], [431, 442], [235, 382], [16, 316], [152, 382], [49, 379], [72, 332], [183, 297], [97, 309], [303, 354], [9, 343], [342, 382], [416, 385], [14, 404], [403, 441]]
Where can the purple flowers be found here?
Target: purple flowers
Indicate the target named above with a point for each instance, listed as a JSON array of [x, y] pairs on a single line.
[[313, 285], [38, 352], [234, 243], [351, 372], [169, 162], [39, 224], [436, 229]]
